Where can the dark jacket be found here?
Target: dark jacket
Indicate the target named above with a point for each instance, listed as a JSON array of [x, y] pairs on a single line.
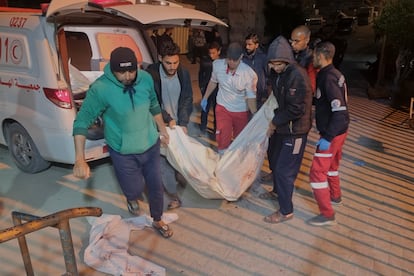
[[331, 110], [204, 73], [305, 59], [258, 62], [292, 90], [185, 101]]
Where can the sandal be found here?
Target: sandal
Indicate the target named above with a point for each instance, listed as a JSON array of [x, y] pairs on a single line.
[[163, 229], [268, 195], [175, 203], [277, 217]]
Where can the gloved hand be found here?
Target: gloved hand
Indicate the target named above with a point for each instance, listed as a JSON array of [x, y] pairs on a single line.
[[204, 104], [323, 144]]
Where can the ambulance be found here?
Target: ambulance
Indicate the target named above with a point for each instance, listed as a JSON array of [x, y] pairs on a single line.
[[48, 58]]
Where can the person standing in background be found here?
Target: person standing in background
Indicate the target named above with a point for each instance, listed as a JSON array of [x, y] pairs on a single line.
[[299, 40], [199, 44], [256, 58], [204, 75], [166, 37]]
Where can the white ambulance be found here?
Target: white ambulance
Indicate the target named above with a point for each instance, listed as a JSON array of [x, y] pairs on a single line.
[[48, 58]]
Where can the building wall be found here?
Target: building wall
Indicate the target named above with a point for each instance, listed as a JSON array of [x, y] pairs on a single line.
[[245, 16]]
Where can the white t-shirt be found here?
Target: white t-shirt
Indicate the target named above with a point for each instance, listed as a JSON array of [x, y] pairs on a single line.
[[234, 88]]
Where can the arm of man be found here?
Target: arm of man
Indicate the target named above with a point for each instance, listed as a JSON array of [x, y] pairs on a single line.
[[164, 137], [81, 168], [251, 93], [185, 104], [252, 105], [336, 95], [210, 88]]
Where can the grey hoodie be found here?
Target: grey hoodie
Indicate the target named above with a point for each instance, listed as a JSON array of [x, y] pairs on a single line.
[[280, 50]]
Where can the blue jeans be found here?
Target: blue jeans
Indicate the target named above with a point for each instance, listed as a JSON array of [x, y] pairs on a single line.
[[133, 171]]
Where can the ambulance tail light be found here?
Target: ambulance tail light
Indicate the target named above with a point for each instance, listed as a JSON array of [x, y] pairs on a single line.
[[60, 97]]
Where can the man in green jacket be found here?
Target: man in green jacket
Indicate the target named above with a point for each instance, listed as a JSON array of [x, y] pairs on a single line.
[[125, 98]]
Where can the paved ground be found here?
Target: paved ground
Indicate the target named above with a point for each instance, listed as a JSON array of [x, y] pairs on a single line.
[[214, 237]]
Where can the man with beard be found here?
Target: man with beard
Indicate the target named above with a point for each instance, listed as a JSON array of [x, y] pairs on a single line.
[[256, 58], [299, 40], [126, 99], [172, 84], [332, 122]]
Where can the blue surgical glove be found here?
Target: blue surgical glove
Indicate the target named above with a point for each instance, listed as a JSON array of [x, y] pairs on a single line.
[[204, 105], [323, 144]]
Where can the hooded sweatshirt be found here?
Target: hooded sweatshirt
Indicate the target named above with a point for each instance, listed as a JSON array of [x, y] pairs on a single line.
[[127, 113], [292, 89]]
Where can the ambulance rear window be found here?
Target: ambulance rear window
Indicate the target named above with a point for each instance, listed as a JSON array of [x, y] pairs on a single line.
[[108, 42]]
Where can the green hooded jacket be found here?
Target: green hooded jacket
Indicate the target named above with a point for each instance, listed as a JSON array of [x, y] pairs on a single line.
[[129, 126]]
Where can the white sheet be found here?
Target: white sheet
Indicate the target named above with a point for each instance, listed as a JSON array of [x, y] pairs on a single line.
[[108, 245], [231, 175]]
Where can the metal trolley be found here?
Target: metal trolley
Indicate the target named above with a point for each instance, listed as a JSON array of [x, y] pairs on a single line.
[[58, 220]]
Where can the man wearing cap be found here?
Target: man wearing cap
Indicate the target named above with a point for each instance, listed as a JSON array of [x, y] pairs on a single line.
[[236, 95], [125, 98], [289, 127]]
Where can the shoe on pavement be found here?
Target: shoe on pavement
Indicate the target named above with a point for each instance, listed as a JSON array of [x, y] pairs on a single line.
[[321, 220], [174, 204], [268, 195], [336, 201], [267, 177], [163, 229], [277, 217], [133, 207]]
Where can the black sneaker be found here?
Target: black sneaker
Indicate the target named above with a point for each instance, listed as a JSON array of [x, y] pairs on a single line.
[[336, 201], [321, 220], [133, 207]]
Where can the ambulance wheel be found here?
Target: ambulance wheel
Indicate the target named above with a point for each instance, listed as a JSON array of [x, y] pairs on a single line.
[[23, 150]]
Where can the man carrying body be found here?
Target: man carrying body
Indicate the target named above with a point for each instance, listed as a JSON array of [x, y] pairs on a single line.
[[235, 97], [299, 40], [289, 126], [126, 99], [172, 84]]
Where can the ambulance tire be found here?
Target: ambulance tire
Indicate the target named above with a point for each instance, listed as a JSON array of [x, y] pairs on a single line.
[[23, 150]]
